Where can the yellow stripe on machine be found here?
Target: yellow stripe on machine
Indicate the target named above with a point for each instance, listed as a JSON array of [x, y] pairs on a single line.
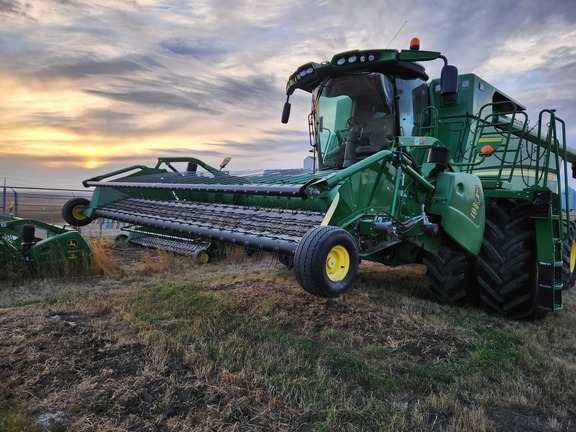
[[331, 210], [518, 173], [490, 139]]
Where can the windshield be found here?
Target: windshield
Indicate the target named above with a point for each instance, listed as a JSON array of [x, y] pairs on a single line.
[[354, 118]]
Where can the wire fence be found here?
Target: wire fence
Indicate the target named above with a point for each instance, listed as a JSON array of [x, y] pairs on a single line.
[[45, 205]]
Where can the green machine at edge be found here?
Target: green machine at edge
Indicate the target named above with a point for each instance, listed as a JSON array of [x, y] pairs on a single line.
[[31, 247]]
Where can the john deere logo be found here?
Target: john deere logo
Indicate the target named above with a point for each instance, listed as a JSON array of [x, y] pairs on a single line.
[[477, 195], [72, 243]]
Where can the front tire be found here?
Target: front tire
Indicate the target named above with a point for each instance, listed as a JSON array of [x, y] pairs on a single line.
[[508, 275], [326, 261]]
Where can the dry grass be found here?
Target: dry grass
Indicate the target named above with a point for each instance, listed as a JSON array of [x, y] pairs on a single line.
[[161, 343], [102, 263]]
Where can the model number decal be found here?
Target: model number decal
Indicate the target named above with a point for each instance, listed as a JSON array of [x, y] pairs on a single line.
[[477, 201]]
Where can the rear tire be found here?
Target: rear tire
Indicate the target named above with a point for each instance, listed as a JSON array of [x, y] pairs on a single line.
[[448, 273], [508, 275], [569, 258], [72, 212], [326, 261]]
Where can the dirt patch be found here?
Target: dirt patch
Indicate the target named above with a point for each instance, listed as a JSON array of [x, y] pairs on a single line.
[[70, 371]]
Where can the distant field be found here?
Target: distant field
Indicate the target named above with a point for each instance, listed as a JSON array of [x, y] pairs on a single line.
[[41, 204]]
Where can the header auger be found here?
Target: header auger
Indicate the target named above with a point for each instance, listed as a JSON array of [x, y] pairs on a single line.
[[448, 173]]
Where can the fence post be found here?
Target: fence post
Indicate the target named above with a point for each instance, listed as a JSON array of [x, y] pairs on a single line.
[[15, 209], [4, 198]]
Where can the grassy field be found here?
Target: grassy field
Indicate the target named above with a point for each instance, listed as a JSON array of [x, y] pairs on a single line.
[[153, 341]]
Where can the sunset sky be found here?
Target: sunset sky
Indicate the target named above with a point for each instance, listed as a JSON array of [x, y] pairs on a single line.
[[90, 86]]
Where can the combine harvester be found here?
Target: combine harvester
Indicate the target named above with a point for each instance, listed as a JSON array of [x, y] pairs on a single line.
[[448, 173]]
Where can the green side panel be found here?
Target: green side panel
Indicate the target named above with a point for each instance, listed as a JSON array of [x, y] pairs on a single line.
[[454, 126], [459, 201], [61, 253], [366, 188], [9, 253], [103, 196]]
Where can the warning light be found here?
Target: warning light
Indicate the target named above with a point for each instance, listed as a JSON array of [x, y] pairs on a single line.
[[415, 44], [487, 150], [224, 162]]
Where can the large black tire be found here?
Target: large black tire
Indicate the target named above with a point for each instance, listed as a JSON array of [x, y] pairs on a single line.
[[72, 212], [569, 258], [326, 261], [448, 274], [508, 276]]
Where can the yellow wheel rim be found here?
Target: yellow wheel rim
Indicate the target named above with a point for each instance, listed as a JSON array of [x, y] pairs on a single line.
[[77, 212], [202, 258], [573, 256], [338, 263]]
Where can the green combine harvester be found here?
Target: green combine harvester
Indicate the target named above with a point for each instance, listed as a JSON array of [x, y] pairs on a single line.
[[30, 247], [448, 173]]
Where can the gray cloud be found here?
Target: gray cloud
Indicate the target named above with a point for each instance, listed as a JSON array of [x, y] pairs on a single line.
[[201, 48], [154, 99], [275, 143], [12, 7], [208, 95], [250, 91], [119, 66]]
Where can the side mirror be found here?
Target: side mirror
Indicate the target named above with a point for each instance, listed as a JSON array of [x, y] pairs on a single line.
[[286, 112], [449, 84]]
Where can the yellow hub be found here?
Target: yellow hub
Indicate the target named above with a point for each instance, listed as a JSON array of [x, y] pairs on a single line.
[[202, 258], [338, 263], [77, 212], [573, 256]]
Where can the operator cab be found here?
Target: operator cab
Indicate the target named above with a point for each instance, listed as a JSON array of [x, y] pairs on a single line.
[[363, 99]]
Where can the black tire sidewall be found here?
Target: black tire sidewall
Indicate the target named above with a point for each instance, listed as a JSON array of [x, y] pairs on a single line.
[[310, 261], [68, 211], [508, 255], [568, 277]]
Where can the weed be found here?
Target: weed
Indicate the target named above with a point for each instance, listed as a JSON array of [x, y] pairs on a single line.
[[102, 263], [377, 351], [12, 418]]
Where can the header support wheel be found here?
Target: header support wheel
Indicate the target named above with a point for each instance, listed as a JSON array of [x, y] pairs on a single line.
[[326, 261]]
